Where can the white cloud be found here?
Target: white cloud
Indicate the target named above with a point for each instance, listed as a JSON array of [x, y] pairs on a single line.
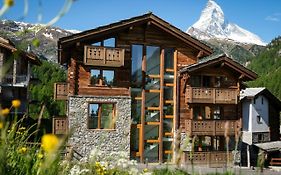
[[272, 18]]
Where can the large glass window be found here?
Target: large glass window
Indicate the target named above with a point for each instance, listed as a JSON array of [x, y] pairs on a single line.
[[169, 58], [137, 53], [152, 60], [101, 116]]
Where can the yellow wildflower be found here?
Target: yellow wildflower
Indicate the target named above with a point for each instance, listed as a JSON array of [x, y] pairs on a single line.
[[9, 3], [22, 128], [1, 125], [5, 111], [16, 103], [40, 156], [50, 143], [145, 170], [22, 150]]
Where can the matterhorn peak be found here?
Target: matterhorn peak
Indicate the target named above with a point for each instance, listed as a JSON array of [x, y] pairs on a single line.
[[212, 24]]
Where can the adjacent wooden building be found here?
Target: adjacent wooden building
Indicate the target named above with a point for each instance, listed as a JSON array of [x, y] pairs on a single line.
[[15, 75], [160, 72]]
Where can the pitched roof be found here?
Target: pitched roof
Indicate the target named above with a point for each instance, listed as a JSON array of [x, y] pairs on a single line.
[[220, 58], [148, 17], [270, 146], [7, 44], [250, 93]]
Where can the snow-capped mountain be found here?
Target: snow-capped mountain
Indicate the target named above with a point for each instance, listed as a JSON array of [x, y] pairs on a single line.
[[23, 34], [213, 25]]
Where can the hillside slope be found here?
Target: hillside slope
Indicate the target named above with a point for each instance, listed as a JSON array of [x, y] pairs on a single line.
[[267, 65]]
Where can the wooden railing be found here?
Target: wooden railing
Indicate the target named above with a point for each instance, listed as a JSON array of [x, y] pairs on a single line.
[[104, 56], [212, 127], [213, 158], [18, 79], [60, 125], [60, 91], [210, 95]]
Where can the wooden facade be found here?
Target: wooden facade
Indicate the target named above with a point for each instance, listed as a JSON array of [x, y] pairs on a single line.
[[145, 58], [15, 75], [211, 110]]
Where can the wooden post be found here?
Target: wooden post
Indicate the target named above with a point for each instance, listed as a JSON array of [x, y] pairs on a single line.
[[175, 112], [141, 138], [161, 105], [15, 71], [99, 116]]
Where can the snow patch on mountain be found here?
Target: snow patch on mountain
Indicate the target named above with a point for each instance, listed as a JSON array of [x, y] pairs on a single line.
[[212, 24]]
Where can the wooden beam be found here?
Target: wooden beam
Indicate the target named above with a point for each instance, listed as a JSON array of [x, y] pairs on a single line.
[[152, 141], [141, 138], [153, 76], [161, 105], [99, 117], [175, 101], [169, 84], [152, 123], [169, 116], [169, 70], [200, 54]]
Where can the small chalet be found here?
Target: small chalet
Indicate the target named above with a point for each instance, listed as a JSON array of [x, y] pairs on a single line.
[[261, 122], [135, 84], [15, 74], [209, 107]]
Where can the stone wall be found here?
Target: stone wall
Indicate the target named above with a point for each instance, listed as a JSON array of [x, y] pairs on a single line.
[[108, 142]]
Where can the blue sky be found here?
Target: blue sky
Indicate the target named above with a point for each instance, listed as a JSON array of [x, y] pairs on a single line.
[[262, 17]]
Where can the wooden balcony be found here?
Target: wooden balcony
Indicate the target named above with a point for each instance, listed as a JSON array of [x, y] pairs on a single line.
[[211, 95], [60, 125], [104, 56], [17, 80], [212, 158], [60, 91], [212, 127]]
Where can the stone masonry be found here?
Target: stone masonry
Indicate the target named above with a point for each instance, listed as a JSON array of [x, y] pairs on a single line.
[[109, 142]]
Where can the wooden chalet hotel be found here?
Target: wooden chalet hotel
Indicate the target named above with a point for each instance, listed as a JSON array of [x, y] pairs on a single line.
[[133, 84]]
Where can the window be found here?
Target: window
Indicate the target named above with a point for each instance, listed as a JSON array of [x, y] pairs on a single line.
[[110, 42], [259, 119], [199, 112], [217, 112], [218, 81], [169, 58], [137, 54], [96, 44], [102, 77], [101, 116], [260, 138], [195, 81], [152, 60], [262, 100], [206, 81]]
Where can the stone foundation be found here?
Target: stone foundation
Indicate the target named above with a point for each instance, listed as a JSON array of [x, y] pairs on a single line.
[[108, 142]]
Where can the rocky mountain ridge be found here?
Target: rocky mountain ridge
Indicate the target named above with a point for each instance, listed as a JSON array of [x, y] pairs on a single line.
[[43, 40]]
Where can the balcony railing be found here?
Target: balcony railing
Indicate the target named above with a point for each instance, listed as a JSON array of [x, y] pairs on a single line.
[[211, 95], [213, 158], [60, 91], [212, 127], [15, 80], [60, 125], [104, 56]]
